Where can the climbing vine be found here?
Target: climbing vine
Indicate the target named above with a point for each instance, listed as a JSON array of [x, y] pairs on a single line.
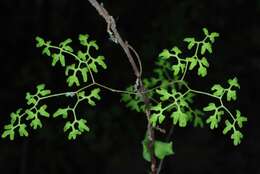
[[166, 96]]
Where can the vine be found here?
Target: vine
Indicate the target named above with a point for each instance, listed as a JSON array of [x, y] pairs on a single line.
[[163, 96]]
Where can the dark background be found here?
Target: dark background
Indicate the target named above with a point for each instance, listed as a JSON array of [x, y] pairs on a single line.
[[114, 144]]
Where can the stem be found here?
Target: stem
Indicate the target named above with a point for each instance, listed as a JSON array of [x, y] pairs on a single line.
[[113, 33]]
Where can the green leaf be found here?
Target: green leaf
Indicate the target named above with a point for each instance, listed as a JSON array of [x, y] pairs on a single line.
[[68, 48], [55, 59], [162, 149], [35, 123], [23, 131], [236, 136], [82, 95], [205, 31], [100, 61], [73, 134], [68, 68], [61, 112], [176, 50], [93, 66], [193, 63], [161, 118], [204, 62], [40, 87], [67, 126], [133, 104], [191, 42], [228, 127], [212, 36], [82, 126], [165, 54], [93, 44], [30, 99], [58, 57], [213, 121], [183, 103], [231, 95], [14, 117], [40, 41], [219, 90], [64, 43], [46, 51], [210, 107], [43, 111], [84, 74], [45, 92], [81, 55], [9, 126], [180, 117], [240, 119], [146, 153], [9, 132], [62, 60], [158, 107], [30, 114], [95, 93], [153, 119], [83, 39], [72, 79], [206, 46], [202, 71], [164, 94], [234, 82], [176, 69]]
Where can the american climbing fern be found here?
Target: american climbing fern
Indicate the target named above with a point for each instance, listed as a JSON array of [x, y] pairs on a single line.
[[77, 73], [171, 96]]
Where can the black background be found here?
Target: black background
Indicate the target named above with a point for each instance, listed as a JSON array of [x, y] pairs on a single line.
[[114, 144]]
